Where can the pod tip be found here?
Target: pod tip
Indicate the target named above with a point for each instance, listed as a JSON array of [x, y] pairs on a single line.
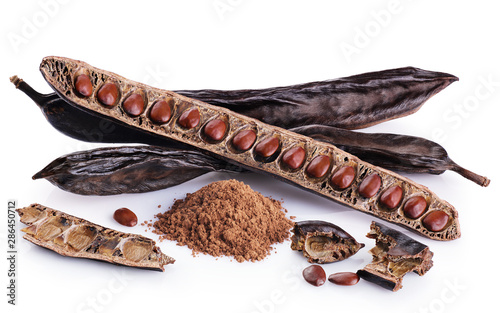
[[16, 81]]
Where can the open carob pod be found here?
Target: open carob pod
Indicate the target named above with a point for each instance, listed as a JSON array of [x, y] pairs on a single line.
[[311, 166], [75, 237], [323, 242], [394, 255]]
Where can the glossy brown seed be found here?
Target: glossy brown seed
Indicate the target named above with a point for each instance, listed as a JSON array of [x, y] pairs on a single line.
[[190, 118], [392, 197], [315, 275], [83, 85], [343, 177], [318, 166], [108, 94], [436, 221], [160, 112], [415, 207], [370, 185], [215, 129], [267, 147], [344, 278], [125, 217], [134, 105], [244, 139], [294, 158]]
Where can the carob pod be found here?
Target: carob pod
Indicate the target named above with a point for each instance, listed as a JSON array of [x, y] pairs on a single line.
[[75, 237], [394, 255], [351, 102], [323, 242], [60, 73], [129, 169], [395, 152], [401, 153]]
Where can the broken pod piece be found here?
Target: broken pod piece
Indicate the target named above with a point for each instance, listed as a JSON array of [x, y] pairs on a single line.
[[75, 237], [323, 242], [394, 255]]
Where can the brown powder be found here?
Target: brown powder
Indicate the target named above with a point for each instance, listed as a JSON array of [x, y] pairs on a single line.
[[226, 218]]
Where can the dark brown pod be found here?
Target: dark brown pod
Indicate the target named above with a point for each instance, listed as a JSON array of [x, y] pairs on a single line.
[[323, 242], [315, 275], [75, 237], [394, 255]]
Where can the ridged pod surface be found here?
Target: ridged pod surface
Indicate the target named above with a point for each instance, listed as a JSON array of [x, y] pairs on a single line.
[[60, 73]]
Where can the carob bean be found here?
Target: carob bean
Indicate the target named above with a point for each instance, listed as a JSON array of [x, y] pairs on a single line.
[[58, 72], [315, 275], [161, 111], [190, 118], [415, 207], [244, 140], [351, 103], [267, 147], [344, 278], [134, 105], [75, 237], [294, 158], [126, 217], [343, 177], [319, 166], [323, 242], [108, 94], [128, 169], [83, 85], [394, 255], [435, 220], [370, 185], [391, 198], [215, 129], [401, 153]]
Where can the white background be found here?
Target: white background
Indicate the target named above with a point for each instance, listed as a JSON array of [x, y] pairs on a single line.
[[228, 44]]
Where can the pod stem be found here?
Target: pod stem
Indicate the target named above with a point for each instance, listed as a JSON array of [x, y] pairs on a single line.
[[478, 179], [40, 99]]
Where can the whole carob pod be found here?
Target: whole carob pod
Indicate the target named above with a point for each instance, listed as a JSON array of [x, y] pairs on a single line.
[[402, 153], [108, 102]]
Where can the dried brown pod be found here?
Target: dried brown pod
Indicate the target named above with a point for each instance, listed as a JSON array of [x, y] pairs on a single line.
[[75, 237], [59, 73], [323, 242], [394, 255]]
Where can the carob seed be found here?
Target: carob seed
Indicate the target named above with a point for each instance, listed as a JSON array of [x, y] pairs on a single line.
[[392, 197], [315, 275], [108, 94], [294, 158], [244, 140], [267, 147], [415, 207], [161, 111], [344, 278], [318, 166], [83, 85], [215, 129], [370, 185], [125, 217], [436, 220], [343, 177], [190, 118], [134, 105]]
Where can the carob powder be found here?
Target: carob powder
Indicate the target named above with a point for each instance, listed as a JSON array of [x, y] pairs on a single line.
[[226, 218]]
